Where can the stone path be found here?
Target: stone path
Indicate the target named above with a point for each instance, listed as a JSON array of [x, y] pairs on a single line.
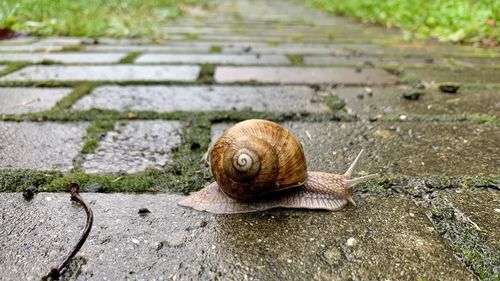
[[120, 115]]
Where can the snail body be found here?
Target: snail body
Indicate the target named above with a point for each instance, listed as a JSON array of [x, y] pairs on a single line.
[[259, 165]]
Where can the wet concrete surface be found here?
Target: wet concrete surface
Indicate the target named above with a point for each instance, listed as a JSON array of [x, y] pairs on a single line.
[[368, 61], [41, 146], [398, 148], [204, 98], [104, 72], [134, 146], [419, 49], [214, 59], [85, 58], [382, 101], [24, 100], [304, 75], [382, 238]]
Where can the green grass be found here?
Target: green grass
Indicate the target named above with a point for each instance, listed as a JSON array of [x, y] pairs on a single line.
[[116, 18], [447, 20]]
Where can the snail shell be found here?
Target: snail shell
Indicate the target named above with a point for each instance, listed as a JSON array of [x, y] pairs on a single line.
[[256, 157], [259, 165]]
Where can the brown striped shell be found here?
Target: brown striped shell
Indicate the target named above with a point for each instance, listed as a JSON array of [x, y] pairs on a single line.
[[256, 157]]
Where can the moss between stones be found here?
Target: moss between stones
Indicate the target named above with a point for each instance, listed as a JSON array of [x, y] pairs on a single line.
[[18, 180], [296, 59], [95, 133], [188, 172], [272, 43], [465, 240], [11, 67], [473, 118], [213, 116], [215, 49], [77, 93], [334, 102], [419, 186], [130, 58], [192, 36], [296, 38], [72, 48], [206, 75]]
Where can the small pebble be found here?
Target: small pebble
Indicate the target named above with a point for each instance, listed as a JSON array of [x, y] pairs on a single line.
[[449, 88], [29, 192], [412, 95], [144, 211], [135, 241], [351, 242], [360, 96], [497, 210]]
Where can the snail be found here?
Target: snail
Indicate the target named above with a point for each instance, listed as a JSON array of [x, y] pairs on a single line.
[[259, 165]]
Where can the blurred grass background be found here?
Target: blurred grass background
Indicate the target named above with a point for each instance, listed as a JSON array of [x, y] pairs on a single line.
[[92, 18], [466, 21]]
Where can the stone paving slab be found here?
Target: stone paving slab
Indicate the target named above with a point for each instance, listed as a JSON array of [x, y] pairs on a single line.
[[413, 149], [29, 48], [203, 98], [432, 102], [214, 59], [394, 240], [19, 40], [64, 57], [430, 50], [367, 61], [304, 75], [205, 48], [289, 48], [60, 41], [40, 146], [478, 62], [461, 75], [134, 146], [104, 73], [24, 100]]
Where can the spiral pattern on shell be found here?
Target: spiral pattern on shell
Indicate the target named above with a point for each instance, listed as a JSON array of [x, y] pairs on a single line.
[[256, 157]]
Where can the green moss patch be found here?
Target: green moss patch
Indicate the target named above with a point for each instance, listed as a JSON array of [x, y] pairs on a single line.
[[77, 93], [72, 48], [192, 36], [18, 180], [272, 43], [206, 75], [130, 58], [96, 132], [11, 67], [296, 59], [465, 240], [215, 49]]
